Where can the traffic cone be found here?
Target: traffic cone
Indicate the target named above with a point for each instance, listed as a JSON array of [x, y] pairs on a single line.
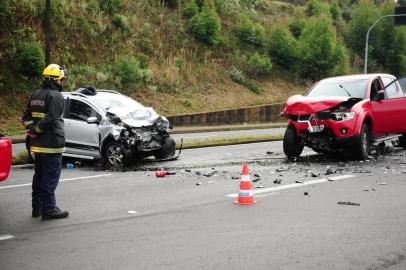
[[246, 195]]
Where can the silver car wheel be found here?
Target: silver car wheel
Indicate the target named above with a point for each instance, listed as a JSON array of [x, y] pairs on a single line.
[[115, 155]]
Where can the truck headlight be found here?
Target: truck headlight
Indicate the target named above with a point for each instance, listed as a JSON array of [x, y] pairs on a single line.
[[340, 116]]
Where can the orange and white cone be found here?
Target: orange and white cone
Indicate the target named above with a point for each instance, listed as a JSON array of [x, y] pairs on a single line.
[[246, 195]]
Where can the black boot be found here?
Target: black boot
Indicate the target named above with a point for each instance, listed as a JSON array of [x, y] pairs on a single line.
[[36, 212], [54, 214]]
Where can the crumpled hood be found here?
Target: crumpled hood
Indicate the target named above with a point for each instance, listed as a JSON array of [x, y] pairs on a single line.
[[139, 117], [298, 104]]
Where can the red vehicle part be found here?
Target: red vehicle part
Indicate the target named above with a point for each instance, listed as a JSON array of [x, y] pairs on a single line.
[[5, 157]]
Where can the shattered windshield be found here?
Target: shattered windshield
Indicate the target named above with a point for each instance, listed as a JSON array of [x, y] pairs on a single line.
[[111, 100], [334, 88]]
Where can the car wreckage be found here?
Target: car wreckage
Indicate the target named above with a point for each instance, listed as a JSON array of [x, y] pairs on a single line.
[[347, 113], [107, 125]]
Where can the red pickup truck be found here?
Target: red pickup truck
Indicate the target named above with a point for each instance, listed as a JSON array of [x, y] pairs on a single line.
[[347, 113], [5, 157]]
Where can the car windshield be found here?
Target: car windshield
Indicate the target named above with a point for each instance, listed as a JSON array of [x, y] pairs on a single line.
[[330, 88], [111, 100]]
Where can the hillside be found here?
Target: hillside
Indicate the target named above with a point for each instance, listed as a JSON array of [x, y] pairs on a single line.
[[183, 56]]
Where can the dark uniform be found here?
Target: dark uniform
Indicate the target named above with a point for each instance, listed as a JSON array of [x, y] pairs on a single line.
[[43, 120]]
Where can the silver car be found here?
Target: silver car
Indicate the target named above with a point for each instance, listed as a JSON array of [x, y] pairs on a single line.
[[106, 125]]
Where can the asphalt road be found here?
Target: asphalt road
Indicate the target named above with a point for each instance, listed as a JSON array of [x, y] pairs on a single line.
[[20, 147], [133, 220]]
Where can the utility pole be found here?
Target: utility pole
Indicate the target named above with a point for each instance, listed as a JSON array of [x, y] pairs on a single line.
[[47, 28], [367, 37]]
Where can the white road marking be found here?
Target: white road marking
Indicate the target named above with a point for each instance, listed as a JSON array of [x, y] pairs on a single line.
[[312, 182], [62, 180], [5, 237]]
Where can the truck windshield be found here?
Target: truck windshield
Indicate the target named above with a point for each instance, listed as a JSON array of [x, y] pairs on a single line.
[[334, 88]]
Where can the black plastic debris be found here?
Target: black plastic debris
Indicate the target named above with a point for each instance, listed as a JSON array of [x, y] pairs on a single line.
[[313, 174], [198, 183], [306, 193], [257, 175], [256, 180], [188, 170], [349, 203], [277, 181], [329, 171], [210, 174], [235, 177], [299, 181], [269, 153]]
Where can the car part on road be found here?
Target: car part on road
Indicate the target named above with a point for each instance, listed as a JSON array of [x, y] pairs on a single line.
[[349, 203]]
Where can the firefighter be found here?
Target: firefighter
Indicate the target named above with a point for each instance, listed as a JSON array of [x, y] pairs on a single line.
[[45, 130]]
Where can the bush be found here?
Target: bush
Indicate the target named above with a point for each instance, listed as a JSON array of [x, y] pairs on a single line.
[[30, 57], [283, 47], [110, 6], [120, 22], [128, 70], [238, 76], [4, 11], [259, 64], [206, 26], [190, 10], [316, 7], [249, 32]]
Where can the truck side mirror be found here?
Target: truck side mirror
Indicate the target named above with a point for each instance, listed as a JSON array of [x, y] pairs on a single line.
[[379, 96]]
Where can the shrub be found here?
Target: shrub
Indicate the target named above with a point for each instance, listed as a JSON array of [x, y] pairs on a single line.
[[4, 11], [259, 64], [249, 32], [120, 22], [206, 26], [110, 6], [283, 47], [238, 76], [128, 70], [30, 57], [315, 8], [190, 10]]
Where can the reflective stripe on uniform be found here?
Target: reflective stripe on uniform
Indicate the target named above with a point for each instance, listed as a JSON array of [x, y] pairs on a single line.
[[26, 123], [37, 114], [37, 149]]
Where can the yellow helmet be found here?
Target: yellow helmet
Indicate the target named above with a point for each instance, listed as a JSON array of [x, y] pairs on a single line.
[[54, 72]]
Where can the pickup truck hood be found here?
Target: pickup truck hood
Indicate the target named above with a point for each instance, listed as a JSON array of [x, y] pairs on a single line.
[[298, 104], [139, 117]]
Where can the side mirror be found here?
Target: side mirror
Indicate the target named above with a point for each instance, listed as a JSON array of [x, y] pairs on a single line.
[[92, 120], [379, 96]]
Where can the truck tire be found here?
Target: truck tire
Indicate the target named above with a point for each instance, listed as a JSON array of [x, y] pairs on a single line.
[[402, 141], [361, 147], [167, 150], [292, 145]]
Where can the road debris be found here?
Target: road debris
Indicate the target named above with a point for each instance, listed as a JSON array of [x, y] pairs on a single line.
[[349, 203], [210, 174], [198, 183], [163, 173], [212, 182], [382, 183], [256, 180], [131, 212], [257, 175], [299, 181], [277, 181], [306, 193], [329, 171], [269, 152]]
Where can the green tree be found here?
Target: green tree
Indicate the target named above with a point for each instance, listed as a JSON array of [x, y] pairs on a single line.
[[319, 51], [206, 26], [283, 47], [249, 32], [259, 65], [31, 59]]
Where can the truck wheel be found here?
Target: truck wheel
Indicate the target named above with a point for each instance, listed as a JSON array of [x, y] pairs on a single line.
[[167, 150], [116, 155], [402, 141], [361, 148], [292, 145]]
